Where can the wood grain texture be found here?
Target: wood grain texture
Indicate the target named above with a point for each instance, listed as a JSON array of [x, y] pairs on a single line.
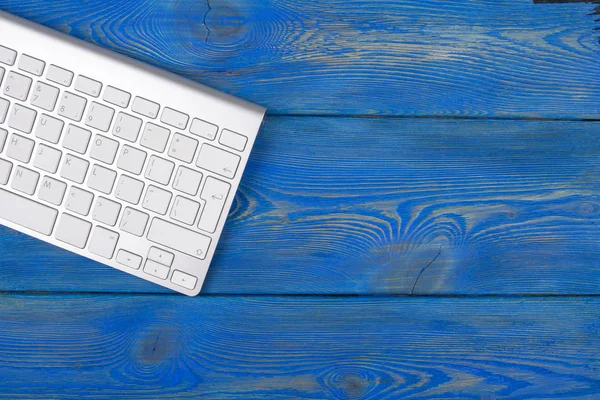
[[362, 206], [144, 347], [501, 58]]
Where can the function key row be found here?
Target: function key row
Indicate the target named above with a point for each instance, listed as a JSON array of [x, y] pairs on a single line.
[[7, 56]]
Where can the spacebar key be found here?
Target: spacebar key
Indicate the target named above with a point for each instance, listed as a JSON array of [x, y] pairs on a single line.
[[27, 213], [178, 238]]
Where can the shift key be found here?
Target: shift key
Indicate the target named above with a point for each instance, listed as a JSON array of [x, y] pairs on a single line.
[[178, 238]]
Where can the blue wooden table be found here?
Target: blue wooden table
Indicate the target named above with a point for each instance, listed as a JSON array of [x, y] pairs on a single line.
[[420, 217]]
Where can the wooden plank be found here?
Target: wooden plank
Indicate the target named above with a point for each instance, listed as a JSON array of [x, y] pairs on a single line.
[[359, 205], [280, 348], [502, 58]]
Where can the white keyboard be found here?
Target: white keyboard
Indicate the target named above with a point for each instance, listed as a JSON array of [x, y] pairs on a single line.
[[114, 160]]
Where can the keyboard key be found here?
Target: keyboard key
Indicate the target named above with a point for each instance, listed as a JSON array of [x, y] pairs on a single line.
[[7, 56], [116, 97], [52, 191], [214, 193], [161, 256], [31, 65], [103, 242], [4, 106], [155, 137], [131, 160], [204, 129], [127, 127], [184, 280], [73, 231], [21, 118], [27, 213], [129, 259], [159, 170], [145, 107], [88, 86], [79, 201], [72, 106], [177, 238], [102, 179], [49, 128], [187, 181], [20, 148], [218, 161], [5, 169], [129, 189], [44, 96], [134, 221], [104, 149], [77, 139], [174, 118], [47, 158], [25, 180], [59, 75], [155, 269], [3, 136], [74, 169], [157, 200], [99, 116], [2, 72], [185, 210], [106, 211], [233, 140], [17, 86], [183, 148]]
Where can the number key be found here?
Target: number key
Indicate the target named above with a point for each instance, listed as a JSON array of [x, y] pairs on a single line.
[[72, 106], [44, 96], [99, 117], [17, 86], [127, 127]]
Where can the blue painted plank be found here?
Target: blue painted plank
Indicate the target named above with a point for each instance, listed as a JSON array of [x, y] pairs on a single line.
[[362, 206], [106, 347], [501, 58]]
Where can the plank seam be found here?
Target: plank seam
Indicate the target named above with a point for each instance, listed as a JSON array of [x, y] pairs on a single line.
[[296, 295], [431, 117]]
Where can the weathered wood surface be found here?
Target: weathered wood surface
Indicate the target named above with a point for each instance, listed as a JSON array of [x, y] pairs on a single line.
[[143, 347], [349, 206], [501, 58], [362, 206]]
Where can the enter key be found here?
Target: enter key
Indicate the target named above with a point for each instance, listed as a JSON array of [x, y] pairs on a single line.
[[215, 194]]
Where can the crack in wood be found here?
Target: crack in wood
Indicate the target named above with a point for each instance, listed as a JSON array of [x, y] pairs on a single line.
[[423, 270], [204, 21]]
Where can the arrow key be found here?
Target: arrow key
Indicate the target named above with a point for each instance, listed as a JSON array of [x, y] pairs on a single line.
[[156, 269], [161, 256], [129, 259], [184, 280]]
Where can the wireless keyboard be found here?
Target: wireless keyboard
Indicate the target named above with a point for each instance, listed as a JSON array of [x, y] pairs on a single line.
[[115, 160]]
